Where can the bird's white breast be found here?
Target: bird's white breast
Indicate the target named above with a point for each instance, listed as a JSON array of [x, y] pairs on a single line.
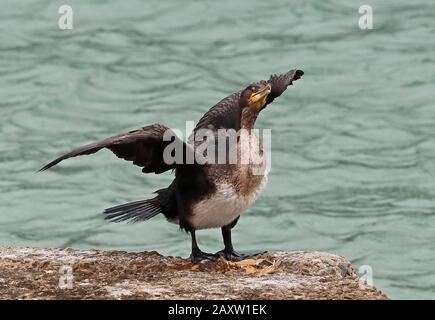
[[223, 206], [236, 188]]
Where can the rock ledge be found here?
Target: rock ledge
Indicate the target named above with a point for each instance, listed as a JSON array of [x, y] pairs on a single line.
[[34, 273]]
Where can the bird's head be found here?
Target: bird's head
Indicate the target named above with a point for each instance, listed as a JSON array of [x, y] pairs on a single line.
[[254, 96]]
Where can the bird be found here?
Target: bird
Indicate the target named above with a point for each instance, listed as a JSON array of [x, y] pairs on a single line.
[[203, 194]]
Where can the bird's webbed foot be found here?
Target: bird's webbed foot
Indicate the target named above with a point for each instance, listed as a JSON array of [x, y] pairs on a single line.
[[232, 255], [197, 256]]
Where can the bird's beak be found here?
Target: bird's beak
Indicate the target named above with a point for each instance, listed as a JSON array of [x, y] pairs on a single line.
[[259, 95]]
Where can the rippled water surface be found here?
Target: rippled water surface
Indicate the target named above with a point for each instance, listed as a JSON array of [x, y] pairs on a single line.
[[353, 147]]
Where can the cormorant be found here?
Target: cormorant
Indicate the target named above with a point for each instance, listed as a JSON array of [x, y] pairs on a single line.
[[202, 195]]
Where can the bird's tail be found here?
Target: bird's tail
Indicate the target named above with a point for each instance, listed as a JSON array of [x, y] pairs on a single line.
[[134, 211]]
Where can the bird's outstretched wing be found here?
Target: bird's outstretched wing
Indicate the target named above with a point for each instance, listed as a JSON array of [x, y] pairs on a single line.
[[280, 82], [145, 147], [226, 113]]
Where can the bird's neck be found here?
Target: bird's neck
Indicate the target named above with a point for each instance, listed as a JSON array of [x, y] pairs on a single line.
[[248, 118]]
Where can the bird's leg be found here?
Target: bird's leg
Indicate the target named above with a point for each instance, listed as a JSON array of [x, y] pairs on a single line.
[[228, 252], [197, 255]]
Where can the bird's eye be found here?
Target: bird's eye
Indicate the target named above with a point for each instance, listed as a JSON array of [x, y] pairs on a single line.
[[253, 89]]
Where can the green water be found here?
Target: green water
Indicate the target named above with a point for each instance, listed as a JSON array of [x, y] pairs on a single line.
[[353, 147]]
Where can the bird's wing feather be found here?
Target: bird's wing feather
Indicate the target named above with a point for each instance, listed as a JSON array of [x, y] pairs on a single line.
[[280, 82], [226, 113], [144, 147]]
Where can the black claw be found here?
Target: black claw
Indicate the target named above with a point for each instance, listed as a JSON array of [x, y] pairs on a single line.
[[197, 256]]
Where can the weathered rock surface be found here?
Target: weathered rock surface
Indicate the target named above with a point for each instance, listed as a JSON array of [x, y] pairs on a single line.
[[32, 273]]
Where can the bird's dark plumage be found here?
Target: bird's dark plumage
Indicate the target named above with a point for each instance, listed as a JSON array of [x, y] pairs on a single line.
[[226, 113], [144, 147], [201, 195]]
